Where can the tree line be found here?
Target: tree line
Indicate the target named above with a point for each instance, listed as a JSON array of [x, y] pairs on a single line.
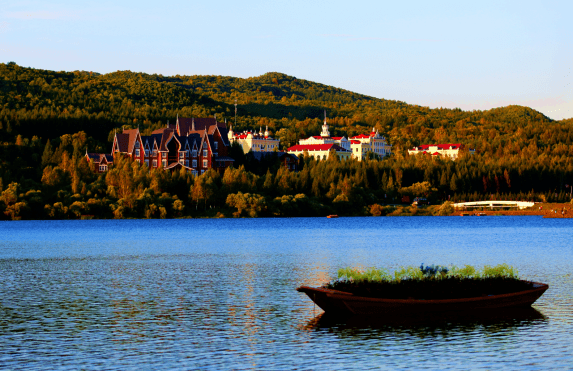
[[49, 119]]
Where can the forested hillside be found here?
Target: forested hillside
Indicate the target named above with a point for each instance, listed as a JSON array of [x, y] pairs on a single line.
[[48, 119]]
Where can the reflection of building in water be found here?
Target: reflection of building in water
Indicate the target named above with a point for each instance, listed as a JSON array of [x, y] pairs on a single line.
[[138, 309]]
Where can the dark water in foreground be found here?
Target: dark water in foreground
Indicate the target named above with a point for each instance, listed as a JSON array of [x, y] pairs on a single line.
[[220, 294]]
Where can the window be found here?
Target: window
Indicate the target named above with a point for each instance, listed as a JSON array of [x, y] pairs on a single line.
[[164, 162], [194, 153], [186, 163], [137, 145], [154, 163], [202, 171], [205, 163], [147, 162], [154, 152], [182, 154], [146, 152], [204, 153], [194, 172], [194, 163], [181, 161], [103, 168], [215, 144], [138, 153], [215, 154]]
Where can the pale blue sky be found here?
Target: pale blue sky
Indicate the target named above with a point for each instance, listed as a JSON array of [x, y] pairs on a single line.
[[472, 55]]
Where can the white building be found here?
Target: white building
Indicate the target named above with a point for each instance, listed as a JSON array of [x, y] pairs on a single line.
[[320, 151], [319, 147], [449, 150], [355, 147], [373, 142], [253, 141]]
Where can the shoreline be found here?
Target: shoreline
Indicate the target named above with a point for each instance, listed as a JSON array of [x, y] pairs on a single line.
[[547, 210]]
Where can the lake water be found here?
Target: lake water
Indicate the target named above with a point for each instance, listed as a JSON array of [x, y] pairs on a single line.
[[219, 294]]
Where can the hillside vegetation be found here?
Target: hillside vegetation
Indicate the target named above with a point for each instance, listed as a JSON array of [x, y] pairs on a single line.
[[48, 119]]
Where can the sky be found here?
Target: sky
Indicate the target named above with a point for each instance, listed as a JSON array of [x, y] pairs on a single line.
[[473, 55]]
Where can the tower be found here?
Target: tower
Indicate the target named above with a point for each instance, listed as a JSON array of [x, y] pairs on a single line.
[[325, 129]]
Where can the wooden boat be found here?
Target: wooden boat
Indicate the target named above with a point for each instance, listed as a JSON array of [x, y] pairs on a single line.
[[332, 216], [333, 301]]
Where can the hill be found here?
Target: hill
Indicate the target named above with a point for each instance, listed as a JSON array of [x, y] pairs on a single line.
[[49, 118]]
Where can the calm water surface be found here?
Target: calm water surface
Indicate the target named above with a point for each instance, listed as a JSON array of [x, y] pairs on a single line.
[[220, 294]]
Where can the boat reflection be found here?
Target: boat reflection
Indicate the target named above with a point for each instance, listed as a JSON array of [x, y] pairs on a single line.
[[424, 324]]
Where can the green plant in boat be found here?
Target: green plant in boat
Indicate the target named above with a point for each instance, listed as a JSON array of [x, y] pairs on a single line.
[[429, 282]]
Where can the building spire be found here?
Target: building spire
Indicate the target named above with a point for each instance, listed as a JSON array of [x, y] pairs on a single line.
[[325, 129]]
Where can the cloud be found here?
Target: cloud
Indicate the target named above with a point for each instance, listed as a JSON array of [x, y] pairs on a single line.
[[375, 38]]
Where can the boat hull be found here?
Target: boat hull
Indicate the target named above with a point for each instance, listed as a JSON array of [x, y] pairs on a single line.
[[332, 301]]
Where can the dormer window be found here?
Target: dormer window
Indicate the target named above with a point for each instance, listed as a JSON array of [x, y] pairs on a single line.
[[204, 152], [194, 153], [137, 145], [215, 144]]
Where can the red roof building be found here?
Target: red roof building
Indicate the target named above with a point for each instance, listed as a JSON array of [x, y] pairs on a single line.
[[447, 150], [320, 151], [195, 144]]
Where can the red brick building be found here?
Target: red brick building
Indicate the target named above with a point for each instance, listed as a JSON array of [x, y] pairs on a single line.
[[195, 144]]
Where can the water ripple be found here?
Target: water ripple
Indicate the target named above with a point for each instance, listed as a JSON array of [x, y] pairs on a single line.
[[76, 296]]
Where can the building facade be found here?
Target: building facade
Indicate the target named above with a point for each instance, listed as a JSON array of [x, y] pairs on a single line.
[[253, 141], [372, 142], [195, 144], [449, 150], [101, 161], [354, 147]]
